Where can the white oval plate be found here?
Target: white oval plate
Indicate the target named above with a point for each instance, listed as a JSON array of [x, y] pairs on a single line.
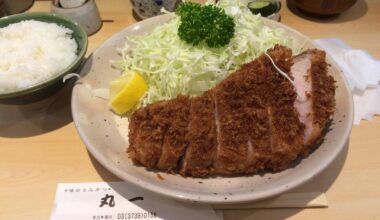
[[106, 135]]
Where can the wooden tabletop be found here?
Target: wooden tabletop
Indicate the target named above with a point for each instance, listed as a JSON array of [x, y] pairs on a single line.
[[39, 145]]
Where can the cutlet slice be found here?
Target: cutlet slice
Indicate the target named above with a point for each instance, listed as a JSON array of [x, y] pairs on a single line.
[[316, 90], [269, 122], [234, 124], [302, 80], [176, 136], [286, 139], [201, 150], [257, 124], [323, 96], [276, 134], [251, 80], [147, 127]]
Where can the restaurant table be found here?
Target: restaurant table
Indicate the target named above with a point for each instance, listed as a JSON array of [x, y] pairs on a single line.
[[39, 149]]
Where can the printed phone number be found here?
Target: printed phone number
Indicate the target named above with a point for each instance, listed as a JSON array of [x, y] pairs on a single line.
[[136, 215]]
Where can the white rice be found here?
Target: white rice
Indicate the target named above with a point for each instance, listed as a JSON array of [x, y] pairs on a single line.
[[33, 51]]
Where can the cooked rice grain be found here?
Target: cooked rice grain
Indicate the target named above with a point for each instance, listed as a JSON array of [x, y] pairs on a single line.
[[32, 51]]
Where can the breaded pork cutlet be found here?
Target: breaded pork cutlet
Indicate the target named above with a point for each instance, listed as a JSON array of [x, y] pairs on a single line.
[[256, 119], [176, 136], [158, 134], [201, 152], [256, 113], [147, 127], [286, 129], [316, 91], [234, 124]]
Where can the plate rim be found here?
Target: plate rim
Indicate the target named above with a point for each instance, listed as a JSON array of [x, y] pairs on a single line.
[[186, 196]]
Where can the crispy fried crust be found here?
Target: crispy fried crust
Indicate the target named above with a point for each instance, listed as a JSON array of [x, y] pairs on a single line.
[[201, 151], [176, 136], [323, 97], [231, 97], [287, 130], [147, 128], [252, 78]]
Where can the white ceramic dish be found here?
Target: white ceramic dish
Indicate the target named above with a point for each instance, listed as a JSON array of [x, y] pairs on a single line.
[[106, 135]]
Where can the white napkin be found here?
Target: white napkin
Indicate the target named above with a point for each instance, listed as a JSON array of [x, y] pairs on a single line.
[[362, 72]]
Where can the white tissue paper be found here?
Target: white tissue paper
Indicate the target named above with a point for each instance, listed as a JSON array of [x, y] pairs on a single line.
[[362, 72]]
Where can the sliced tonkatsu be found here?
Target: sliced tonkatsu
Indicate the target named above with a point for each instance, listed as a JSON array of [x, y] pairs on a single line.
[[147, 127], [175, 139], [202, 149], [256, 119], [316, 92]]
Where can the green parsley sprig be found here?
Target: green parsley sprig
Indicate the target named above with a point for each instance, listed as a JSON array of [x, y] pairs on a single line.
[[206, 23]]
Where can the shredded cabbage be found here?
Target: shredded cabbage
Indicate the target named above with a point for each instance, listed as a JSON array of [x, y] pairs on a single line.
[[171, 67]]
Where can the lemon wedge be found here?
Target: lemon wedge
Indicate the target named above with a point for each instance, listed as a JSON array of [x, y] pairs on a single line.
[[126, 91]]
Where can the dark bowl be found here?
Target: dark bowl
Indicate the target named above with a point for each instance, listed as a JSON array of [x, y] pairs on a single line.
[[51, 85], [322, 7]]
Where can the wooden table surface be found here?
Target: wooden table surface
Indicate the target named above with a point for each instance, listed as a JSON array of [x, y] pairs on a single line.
[[39, 146]]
